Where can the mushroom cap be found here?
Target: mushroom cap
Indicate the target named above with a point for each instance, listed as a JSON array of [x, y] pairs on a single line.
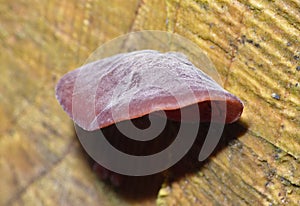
[[131, 85]]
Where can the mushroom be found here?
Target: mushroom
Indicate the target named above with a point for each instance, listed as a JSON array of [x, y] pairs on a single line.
[[130, 86], [144, 81]]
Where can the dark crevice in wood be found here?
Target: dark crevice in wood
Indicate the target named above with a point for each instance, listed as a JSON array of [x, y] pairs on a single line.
[[137, 11]]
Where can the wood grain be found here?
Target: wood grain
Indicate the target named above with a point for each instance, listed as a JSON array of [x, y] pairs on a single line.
[[255, 46]]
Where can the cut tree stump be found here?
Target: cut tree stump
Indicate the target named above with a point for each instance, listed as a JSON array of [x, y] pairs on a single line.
[[255, 46]]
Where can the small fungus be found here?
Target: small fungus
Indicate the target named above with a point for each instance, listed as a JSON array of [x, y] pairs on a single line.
[[131, 86], [145, 81]]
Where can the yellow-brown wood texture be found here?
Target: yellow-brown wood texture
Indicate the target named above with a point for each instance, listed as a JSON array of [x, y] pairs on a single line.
[[255, 46]]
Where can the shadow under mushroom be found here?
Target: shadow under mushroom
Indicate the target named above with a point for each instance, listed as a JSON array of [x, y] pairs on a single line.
[[137, 188]]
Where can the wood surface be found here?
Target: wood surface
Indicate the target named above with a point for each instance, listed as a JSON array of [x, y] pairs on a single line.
[[255, 46]]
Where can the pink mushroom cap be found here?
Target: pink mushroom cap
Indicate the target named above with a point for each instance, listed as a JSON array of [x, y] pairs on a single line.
[[130, 85]]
